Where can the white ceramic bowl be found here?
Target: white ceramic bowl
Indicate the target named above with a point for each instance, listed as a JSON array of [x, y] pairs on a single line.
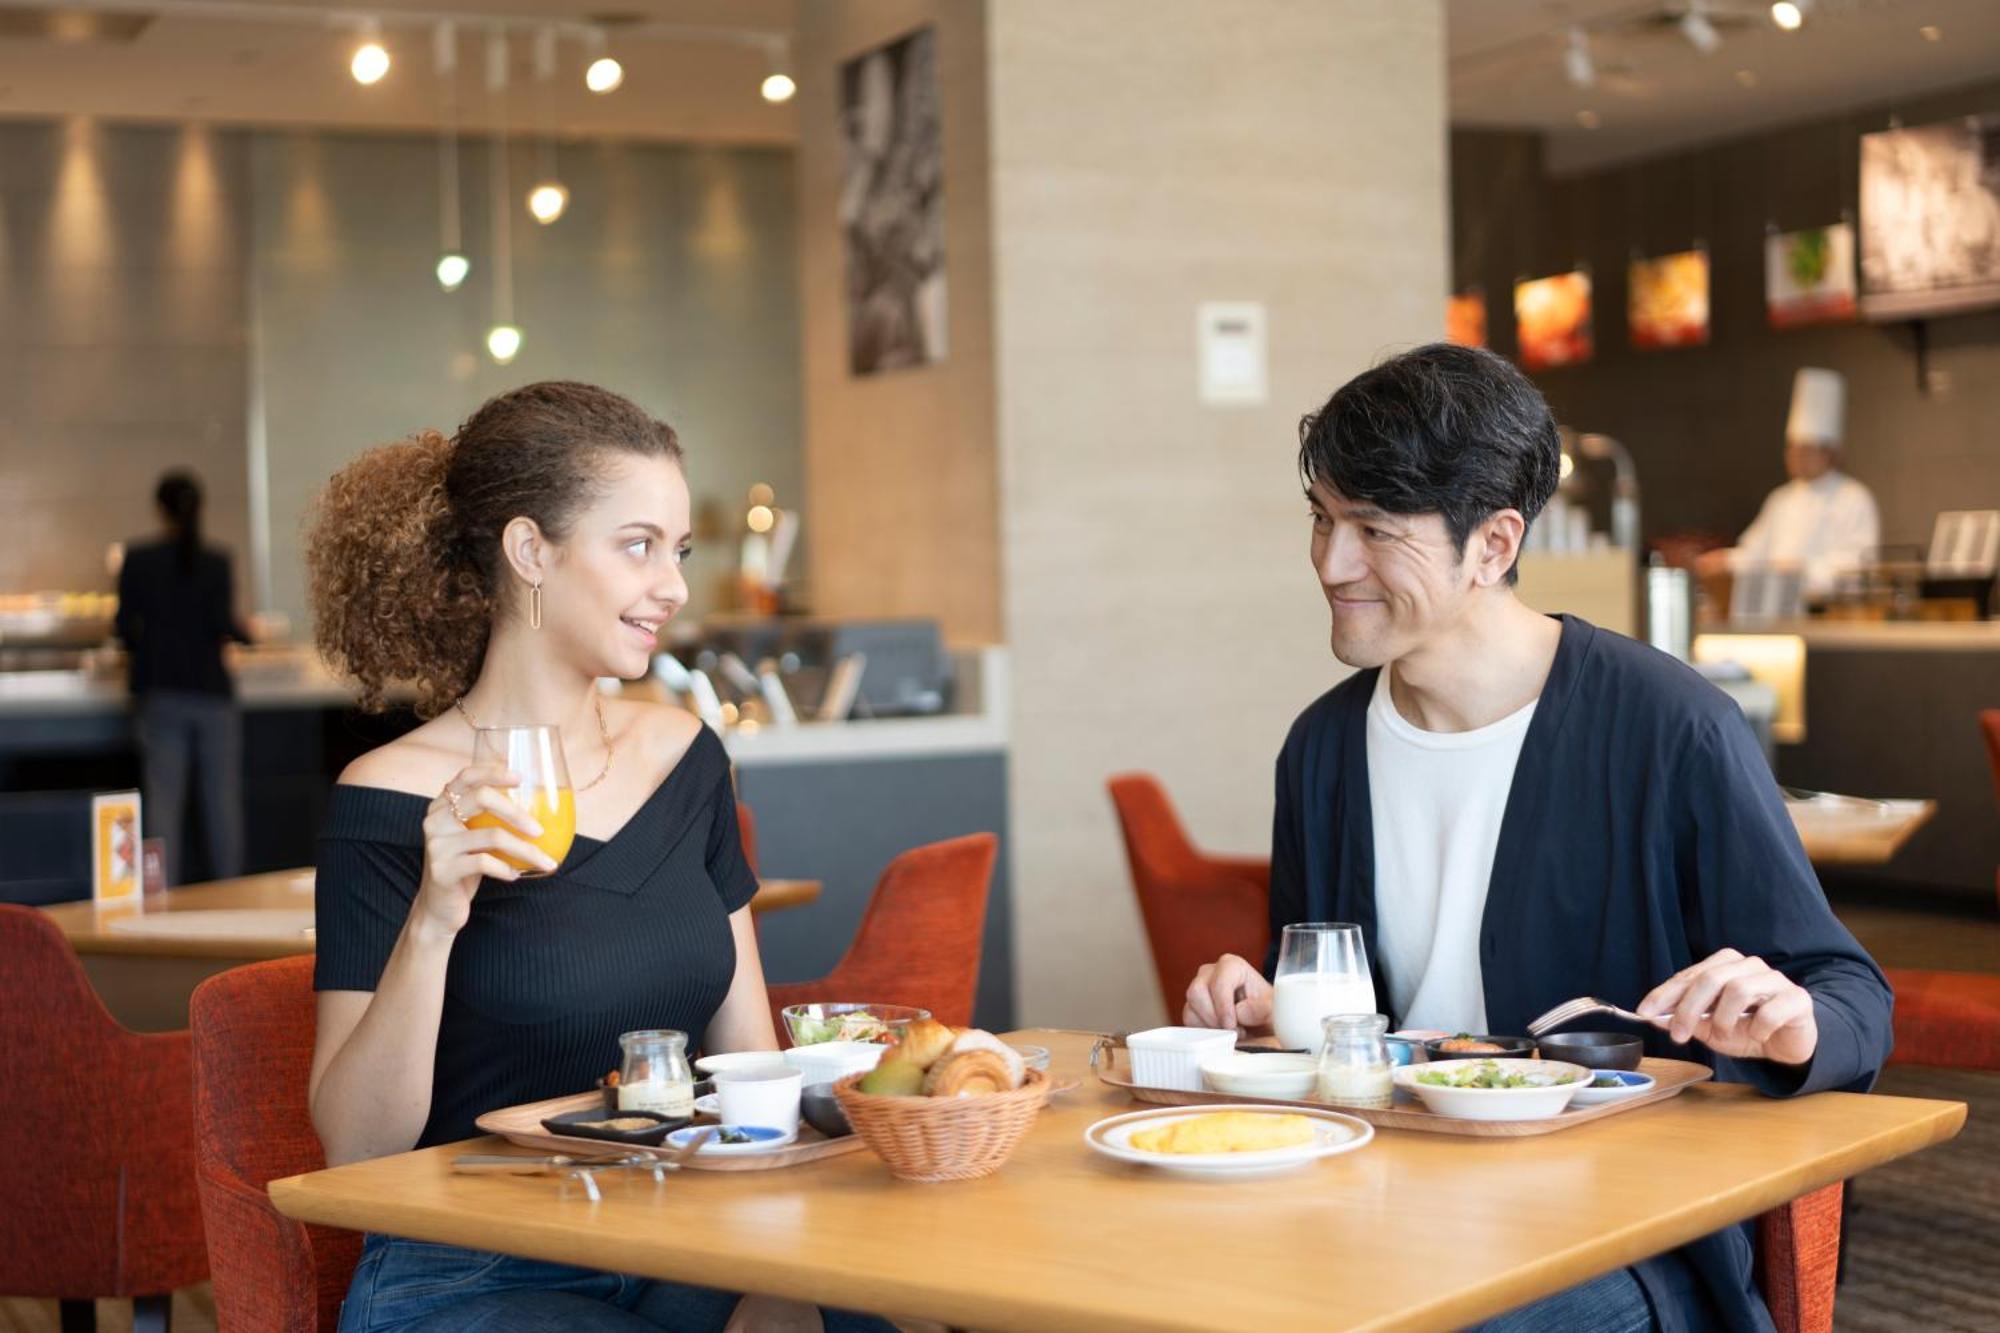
[[1172, 1057], [711, 1065], [1537, 1103], [830, 1061], [1284, 1076]]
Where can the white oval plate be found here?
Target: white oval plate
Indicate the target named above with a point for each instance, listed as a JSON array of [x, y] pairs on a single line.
[[1334, 1134], [1636, 1085]]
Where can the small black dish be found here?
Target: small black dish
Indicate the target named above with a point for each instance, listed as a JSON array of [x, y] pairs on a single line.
[[1511, 1048], [582, 1125], [821, 1110], [1595, 1050]]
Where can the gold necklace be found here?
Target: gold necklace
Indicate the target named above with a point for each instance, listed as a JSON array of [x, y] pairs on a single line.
[[603, 732]]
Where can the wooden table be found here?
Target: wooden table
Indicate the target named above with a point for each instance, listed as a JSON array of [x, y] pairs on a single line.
[[145, 974], [1871, 844], [1414, 1231]]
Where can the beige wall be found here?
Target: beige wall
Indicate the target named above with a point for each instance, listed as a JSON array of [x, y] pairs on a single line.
[[903, 517], [1160, 610]]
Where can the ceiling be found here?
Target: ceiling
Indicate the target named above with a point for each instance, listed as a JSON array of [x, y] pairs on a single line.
[[1655, 91], [693, 66]]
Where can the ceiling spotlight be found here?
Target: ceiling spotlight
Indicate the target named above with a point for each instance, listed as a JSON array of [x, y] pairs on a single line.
[[604, 75], [1932, 32], [779, 88], [548, 200], [1787, 15], [1699, 31], [371, 58], [503, 342], [452, 268], [1577, 64]]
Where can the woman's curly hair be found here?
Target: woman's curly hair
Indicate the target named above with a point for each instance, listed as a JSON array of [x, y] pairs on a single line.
[[404, 548]]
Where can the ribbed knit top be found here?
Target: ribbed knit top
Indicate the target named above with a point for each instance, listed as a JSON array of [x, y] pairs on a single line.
[[629, 933]]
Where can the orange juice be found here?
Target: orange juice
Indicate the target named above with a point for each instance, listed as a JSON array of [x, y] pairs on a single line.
[[554, 811]]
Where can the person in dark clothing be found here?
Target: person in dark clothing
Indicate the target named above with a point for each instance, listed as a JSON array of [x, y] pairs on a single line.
[[176, 610], [1518, 809]]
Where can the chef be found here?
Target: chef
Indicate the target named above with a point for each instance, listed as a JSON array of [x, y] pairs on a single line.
[[1820, 524]]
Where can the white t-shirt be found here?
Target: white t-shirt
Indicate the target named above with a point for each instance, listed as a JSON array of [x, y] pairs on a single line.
[[1437, 799]]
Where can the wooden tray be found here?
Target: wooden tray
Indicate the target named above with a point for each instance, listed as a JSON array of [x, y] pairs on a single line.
[[1670, 1078], [523, 1125]]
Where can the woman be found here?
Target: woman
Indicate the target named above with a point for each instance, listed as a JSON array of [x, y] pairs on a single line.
[[175, 611], [503, 571]]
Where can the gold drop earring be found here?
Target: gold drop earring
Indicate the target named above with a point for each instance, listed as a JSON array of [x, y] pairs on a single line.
[[534, 606]]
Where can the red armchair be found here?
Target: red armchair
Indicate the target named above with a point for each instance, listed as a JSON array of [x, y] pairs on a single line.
[[1196, 907], [97, 1193], [920, 940], [253, 1041]]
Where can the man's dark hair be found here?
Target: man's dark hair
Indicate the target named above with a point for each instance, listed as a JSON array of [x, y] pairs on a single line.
[[1447, 430]]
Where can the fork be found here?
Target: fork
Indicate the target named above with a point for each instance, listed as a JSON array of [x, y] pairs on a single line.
[[1571, 1010]]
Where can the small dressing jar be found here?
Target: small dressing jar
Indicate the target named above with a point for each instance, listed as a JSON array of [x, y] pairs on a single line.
[[655, 1075], [1354, 1062]]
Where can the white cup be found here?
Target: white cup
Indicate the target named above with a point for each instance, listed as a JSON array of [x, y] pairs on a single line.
[[762, 1096]]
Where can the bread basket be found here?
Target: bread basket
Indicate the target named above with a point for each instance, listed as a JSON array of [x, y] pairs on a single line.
[[943, 1138]]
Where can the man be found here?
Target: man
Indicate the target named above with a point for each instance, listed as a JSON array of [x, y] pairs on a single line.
[[1820, 524], [1519, 809]]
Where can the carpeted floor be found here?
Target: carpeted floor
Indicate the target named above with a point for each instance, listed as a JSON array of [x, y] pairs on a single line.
[[1923, 1237]]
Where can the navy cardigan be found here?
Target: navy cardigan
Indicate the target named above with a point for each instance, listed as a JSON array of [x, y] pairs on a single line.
[[1643, 832]]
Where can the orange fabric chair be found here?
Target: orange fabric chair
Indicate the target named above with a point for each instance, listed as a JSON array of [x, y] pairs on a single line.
[[746, 832], [253, 1040], [1798, 1260], [97, 1193], [919, 941], [1196, 907]]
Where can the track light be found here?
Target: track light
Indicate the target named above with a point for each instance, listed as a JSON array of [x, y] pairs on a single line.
[[503, 343], [548, 200], [778, 85], [1699, 30], [371, 58], [1577, 64], [1788, 15], [452, 270], [604, 73]]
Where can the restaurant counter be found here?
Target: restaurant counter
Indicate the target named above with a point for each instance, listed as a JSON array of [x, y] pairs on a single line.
[[834, 802], [1887, 709]]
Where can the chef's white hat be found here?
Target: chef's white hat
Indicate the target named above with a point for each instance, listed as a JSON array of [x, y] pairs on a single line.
[[1819, 407]]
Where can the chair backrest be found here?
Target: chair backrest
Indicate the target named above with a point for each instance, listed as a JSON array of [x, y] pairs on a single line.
[[113, 1107], [746, 832], [1195, 907], [253, 1043], [1798, 1259], [920, 940]]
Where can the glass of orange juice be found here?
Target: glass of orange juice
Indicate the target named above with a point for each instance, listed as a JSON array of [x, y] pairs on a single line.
[[535, 755]]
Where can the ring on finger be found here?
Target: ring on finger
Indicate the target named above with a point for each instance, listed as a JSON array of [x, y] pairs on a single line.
[[451, 799]]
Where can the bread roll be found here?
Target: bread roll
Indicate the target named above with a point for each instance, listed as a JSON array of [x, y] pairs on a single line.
[[968, 1074], [924, 1043], [974, 1039]]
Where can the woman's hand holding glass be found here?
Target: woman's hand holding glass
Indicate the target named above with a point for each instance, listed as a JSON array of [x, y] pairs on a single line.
[[456, 857]]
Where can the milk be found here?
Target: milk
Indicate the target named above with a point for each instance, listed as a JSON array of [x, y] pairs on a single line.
[[1304, 998]]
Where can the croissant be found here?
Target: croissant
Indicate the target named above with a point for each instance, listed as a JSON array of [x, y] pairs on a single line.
[[968, 1074], [974, 1039], [924, 1043]]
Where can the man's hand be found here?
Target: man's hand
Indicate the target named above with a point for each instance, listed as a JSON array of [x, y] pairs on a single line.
[[1228, 993], [1726, 986]]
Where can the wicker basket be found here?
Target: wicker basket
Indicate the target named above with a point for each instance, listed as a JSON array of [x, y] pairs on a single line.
[[943, 1138]]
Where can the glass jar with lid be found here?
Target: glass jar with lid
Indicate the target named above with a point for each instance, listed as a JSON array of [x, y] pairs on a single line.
[[1354, 1064], [654, 1075]]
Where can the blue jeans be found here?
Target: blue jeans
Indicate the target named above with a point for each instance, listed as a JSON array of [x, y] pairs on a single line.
[[1614, 1303], [414, 1286]]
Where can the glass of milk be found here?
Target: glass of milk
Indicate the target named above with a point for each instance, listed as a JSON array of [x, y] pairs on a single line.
[[1322, 970]]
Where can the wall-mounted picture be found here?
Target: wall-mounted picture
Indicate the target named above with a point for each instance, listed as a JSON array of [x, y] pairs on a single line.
[[1667, 304], [1552, 318], [1465, 318], [1930, 218], [892, 206], [1809, 276]]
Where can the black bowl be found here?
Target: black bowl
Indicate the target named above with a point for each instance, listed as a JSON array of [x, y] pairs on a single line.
[[1511, 1048], [578, 1124], [1594, 1050], [822, 1111]]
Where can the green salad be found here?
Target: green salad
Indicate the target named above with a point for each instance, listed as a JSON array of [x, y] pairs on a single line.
[[856, 1026], [1489, 1074]]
